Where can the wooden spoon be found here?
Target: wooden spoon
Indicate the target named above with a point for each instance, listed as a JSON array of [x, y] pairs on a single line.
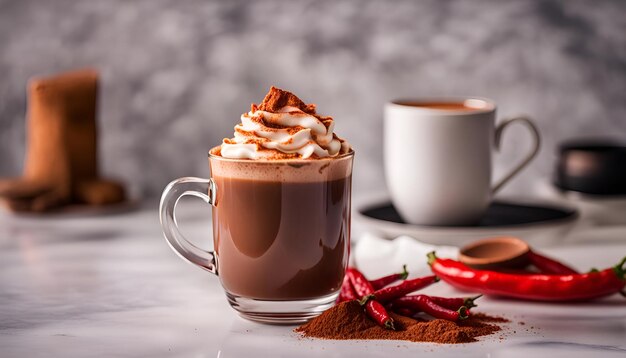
[[504, 252]]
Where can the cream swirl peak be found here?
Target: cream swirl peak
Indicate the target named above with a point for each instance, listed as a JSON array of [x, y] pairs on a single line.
[[283, 127]]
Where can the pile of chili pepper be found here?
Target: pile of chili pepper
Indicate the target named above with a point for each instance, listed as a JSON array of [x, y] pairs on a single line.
[[378, 297], [557, 282]]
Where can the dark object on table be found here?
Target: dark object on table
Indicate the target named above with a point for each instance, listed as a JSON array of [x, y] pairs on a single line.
[[498, 214], [592, 166], [61, 165]]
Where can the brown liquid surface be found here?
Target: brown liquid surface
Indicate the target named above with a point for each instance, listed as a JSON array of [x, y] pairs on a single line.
[[281, 240], [448, 106]]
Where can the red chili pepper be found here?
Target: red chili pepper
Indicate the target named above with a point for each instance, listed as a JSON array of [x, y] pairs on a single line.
[[347, 292], [361, 285], [539, 287], [426, 304], [455, 303], [388, 280], [379, 314], [550, 266], [374, 309], [404, 311], [388, 294]]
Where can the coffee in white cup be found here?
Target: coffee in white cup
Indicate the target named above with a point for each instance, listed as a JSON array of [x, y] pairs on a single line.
[[438, 158]]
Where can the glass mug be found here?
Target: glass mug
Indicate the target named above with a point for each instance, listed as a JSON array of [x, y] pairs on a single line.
[[281, 232]]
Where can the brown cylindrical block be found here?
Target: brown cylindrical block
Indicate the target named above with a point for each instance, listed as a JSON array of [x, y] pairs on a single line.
[[61, 164], [62, 130]]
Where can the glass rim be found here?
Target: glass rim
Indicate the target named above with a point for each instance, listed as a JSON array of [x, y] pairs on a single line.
[[350, 154]]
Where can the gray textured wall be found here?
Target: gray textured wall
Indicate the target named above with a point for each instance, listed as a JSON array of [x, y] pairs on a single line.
[[177, 74]]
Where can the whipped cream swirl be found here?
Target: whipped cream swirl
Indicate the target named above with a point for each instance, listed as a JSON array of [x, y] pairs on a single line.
[[287, 133]]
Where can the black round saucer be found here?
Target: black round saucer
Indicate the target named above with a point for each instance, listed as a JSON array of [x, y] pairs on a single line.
[[499, 214]]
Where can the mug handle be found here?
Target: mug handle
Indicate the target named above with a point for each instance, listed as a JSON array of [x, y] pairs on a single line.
[[527, 159], [204, 189]]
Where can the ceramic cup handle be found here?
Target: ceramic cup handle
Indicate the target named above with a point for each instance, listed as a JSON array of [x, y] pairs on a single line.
[[204, 189], [528, 158]]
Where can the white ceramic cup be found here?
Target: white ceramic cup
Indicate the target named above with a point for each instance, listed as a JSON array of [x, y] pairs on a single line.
[[438, 161]]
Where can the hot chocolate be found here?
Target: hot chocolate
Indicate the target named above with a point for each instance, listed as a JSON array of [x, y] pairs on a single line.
[[280, 191], [284, 238], [281, 222]]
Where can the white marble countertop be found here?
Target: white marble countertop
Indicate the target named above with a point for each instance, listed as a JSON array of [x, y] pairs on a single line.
[[110, 286]]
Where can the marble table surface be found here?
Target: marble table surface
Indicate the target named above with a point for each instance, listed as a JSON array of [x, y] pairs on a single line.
[[82, 286]]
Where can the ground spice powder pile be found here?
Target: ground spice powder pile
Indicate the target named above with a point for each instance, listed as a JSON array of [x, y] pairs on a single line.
[[347, 321]]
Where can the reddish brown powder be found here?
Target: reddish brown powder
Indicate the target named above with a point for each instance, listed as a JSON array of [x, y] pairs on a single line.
[[348, 321], [277, 98], [485, 318]]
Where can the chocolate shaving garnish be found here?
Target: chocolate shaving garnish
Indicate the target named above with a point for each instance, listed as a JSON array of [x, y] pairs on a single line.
[[277, 98]]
